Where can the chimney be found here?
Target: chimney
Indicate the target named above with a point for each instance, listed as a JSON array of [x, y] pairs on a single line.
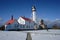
[[12, 17]]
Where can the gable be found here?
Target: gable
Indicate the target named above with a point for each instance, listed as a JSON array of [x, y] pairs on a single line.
[[21, 21]]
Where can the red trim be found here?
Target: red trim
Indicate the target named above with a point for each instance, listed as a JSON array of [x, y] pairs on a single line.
[[10, 22], [27, 19]]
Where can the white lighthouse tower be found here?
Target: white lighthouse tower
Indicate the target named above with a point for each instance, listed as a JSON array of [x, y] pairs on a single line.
[[34, 14]]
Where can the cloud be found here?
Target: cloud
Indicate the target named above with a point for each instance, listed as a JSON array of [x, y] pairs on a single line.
[[57, 19], [0, 19]]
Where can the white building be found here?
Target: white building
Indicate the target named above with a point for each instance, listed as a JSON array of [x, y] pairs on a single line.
[[25, 23]]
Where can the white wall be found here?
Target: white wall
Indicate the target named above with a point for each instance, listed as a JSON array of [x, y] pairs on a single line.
[[21, 21]]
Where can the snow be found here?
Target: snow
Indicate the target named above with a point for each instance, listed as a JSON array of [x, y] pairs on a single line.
[[36, 35], [6, 35]]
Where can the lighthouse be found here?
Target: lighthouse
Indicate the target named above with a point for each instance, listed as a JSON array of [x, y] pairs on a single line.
[[34, 14]]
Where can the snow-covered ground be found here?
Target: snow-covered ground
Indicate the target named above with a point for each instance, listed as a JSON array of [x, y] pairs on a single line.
[[36, 35], [9, 35]]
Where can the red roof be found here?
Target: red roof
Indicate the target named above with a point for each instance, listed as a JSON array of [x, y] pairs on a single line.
[[27, 19], [10, 21]]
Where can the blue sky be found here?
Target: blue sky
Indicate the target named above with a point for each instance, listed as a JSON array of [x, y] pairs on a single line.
[[46, 9]]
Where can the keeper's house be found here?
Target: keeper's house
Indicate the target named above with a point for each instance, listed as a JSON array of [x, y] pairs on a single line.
[[25, 23]]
